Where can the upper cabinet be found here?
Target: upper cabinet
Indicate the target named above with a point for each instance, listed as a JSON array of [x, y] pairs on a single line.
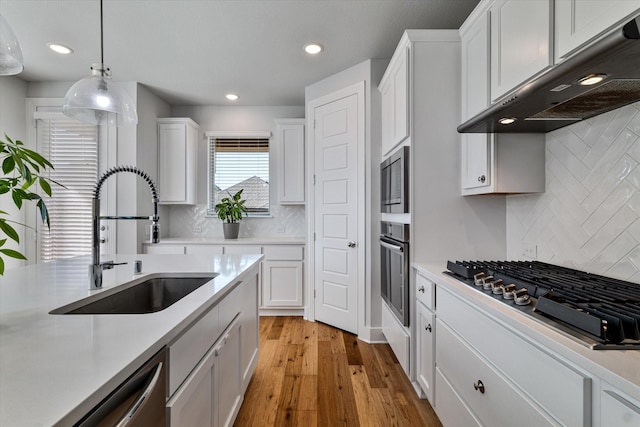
[[291, 158], [577, 22], [492, 163], [394, 88], [177, 144], [520, 42]]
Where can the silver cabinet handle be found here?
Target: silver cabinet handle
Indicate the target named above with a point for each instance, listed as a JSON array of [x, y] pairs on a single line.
[[141, 400], [478, 385], [428, 327], [482, 178], [421, 289], [352, 244]]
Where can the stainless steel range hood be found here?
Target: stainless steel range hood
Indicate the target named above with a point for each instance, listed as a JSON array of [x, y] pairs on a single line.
[[556, 98]]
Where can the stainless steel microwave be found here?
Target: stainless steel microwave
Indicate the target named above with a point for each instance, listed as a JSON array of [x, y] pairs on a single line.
[[394, 182]]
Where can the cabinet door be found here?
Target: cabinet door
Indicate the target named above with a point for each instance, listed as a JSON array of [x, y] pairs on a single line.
[[249, 325], [476, 161], [282, 284], [618, 411], [172, 146], [520, 40], [228, 383], [291, 161], [425, 322], [579, 21], [386, 93], [192, 404], [475, 67], [395, 102]]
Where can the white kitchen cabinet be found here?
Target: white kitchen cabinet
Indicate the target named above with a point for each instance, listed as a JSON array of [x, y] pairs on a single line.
[[473, 347], [282, 282], [163, 249], [617, 409], [425, 334], [578, 22], [394, 88], [521, 42], [291, 152], [492, 163], [211, 364], [242, 249], [177, 145], [204, 249]]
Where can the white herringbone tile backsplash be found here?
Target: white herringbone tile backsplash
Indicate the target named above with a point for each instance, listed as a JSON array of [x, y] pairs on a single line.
[[284, 221], [589, 216]]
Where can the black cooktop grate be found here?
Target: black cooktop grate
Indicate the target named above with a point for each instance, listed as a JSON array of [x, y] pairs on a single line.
[[605, 308]]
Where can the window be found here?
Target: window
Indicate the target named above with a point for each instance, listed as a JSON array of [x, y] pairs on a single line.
[[72, 147], [237, 163]]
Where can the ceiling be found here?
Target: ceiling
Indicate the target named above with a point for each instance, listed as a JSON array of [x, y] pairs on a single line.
[[193, 52]]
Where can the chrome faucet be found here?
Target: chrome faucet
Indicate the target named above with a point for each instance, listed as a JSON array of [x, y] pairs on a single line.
[[96, 267]]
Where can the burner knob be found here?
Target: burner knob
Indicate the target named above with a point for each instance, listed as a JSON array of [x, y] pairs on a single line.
[[487, 282], [497, 286], [478, 278], [521, 297], [507, 291]]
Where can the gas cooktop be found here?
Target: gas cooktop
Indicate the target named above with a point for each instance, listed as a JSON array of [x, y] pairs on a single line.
[[600, 312]]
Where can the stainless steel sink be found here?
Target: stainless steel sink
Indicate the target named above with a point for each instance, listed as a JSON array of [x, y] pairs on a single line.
[[149, 294]]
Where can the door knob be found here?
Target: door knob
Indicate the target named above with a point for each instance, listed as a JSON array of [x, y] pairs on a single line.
[[103, 240], [352, 244]]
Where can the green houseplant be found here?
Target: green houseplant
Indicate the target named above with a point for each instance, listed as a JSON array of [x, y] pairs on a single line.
[[230, 210], [21, 171]]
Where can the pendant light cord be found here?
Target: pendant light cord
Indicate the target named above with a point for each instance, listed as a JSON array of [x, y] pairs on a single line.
[[101, 37]]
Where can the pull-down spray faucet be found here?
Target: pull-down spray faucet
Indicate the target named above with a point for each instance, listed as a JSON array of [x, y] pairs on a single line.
[[96, 267]]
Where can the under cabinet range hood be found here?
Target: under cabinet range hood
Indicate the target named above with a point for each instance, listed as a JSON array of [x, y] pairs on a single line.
[[564, 95]]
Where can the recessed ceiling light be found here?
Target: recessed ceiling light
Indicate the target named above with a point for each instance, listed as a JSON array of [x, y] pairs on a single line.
[[506, 120], [313, 48], [231, 96], [592, 79], [60, 48]]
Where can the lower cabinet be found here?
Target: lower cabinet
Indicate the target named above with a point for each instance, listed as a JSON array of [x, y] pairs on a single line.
[[425, 335], [212, 392], [618, 409], [282, 284]]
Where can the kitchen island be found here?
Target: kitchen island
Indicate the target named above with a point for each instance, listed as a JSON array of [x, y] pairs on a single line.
[[55, 368]]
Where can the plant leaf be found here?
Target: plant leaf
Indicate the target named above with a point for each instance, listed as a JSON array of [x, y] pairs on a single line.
[[9, 231], [44, 213], [13, 254], [7, 165], [45, 186], [1, 266]]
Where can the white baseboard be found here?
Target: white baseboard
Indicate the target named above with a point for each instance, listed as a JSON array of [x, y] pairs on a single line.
[[281, 312]]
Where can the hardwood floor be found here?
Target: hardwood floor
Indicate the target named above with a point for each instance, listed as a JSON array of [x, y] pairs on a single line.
[[310, 374]]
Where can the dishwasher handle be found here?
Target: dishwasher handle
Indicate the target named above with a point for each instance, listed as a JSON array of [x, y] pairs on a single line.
[[139, 403]]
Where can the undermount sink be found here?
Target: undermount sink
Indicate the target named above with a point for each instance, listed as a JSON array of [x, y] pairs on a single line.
[[149, 294]]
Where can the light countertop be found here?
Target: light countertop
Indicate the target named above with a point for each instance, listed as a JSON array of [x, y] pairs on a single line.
[[272, 240], [619, 368], [54, 368]]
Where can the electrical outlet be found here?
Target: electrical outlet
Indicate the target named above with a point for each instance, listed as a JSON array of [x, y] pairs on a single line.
[[529, 250], [197, 229]]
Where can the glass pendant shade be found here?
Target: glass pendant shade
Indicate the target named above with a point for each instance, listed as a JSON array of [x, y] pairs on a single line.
[[10, 52], [98, 100]]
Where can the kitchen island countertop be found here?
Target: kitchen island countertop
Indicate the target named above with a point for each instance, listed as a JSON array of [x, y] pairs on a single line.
[[54, 368], [278, 240]]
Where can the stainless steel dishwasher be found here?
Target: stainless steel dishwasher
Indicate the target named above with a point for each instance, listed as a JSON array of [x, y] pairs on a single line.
[[138, 402]]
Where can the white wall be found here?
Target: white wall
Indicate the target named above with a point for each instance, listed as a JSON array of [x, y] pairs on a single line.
[[370, 72], [589, 216], [284, 220], [13, 123]]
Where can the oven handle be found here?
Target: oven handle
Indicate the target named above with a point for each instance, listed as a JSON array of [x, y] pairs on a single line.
[[391, 247]]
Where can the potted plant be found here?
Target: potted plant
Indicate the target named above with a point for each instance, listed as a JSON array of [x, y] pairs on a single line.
[[21, 171], [230, 210]]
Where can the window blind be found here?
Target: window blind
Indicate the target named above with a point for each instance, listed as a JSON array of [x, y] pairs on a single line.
[[239, 163], [72, 147]]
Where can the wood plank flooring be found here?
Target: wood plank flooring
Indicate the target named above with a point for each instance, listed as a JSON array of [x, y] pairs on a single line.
[[310, 374]]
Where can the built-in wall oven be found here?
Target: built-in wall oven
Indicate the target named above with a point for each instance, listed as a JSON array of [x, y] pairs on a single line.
[[394, 182], [394, 267]]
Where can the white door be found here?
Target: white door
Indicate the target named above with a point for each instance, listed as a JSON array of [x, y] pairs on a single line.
[[336, 137]]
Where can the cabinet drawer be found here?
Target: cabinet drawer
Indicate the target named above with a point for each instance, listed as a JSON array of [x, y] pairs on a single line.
[[164, 249], [204, 249], [242, 250], [491, 398], [425, 291], [284, 253], [558, 388], [230, 306], [186, 352], [618, 411], [451, 410]]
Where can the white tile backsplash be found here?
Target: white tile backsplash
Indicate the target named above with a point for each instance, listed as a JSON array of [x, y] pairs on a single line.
[[589, 216], [191, 221]]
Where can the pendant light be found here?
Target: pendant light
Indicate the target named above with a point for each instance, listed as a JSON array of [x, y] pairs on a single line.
[[98, 100], [10, 52]]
